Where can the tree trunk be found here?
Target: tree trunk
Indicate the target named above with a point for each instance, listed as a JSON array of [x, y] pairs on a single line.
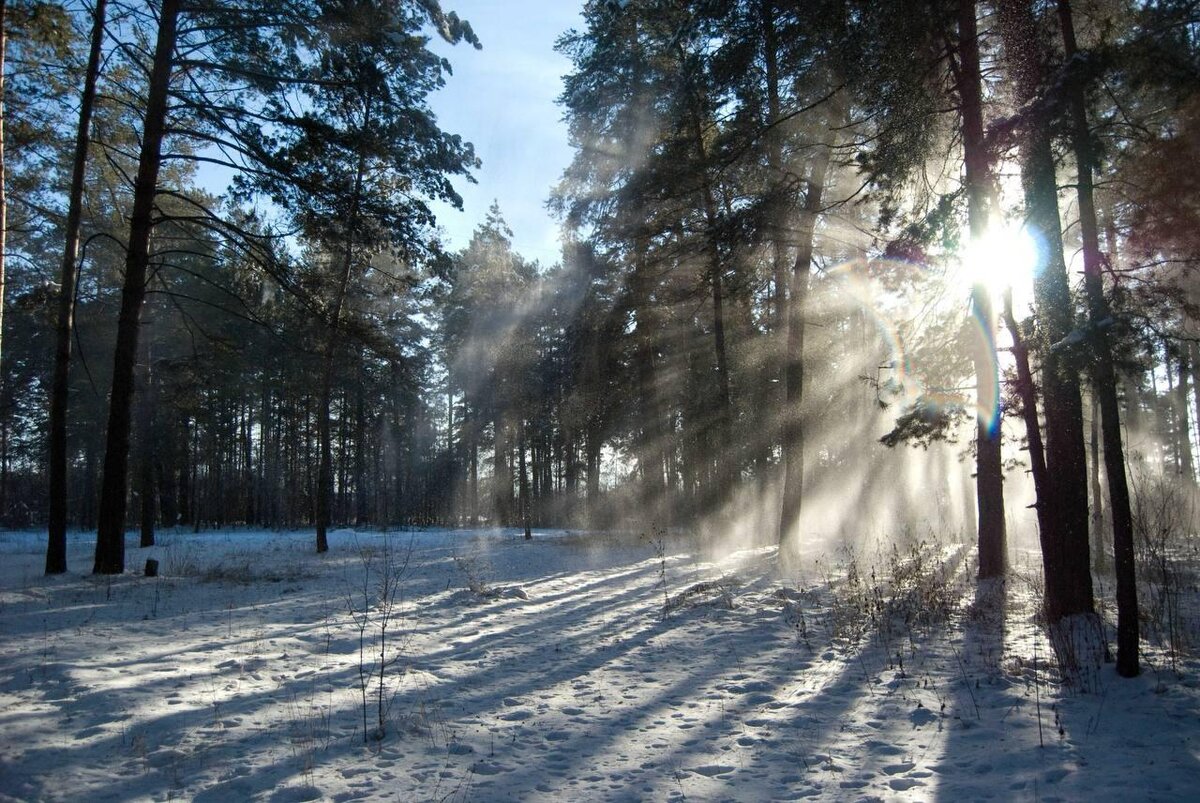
[[1099, 563], [110, 538], [4, 464], [3, 255], [571, 467], [4, 185], [502, 490], [1027, 391], [1183, 431], [324, 489], [793, 422], [473, 502], [146, 452], [361, 514], [56, 547], [989, 470], [1065, 552], [524, 482], [183, 473], [776, 376], [1169, 413], [1194, 362], [727, 464], [1106, 382], [645, 334]]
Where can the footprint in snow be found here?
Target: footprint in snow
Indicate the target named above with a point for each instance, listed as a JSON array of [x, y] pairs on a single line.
[[882, 748], [1056, 775], [164, 757], [296, 794], [713, 770], [517, 716], [903, 784], [896, 769], [922, 716]]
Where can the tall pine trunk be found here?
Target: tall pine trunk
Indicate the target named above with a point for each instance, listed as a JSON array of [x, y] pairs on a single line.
[[724, 418], [1194, 362], [146, 450], [651, 449], [56, 546], [324, 490], [779, 267], [793, 421], [1027, 392], [110, 538], [502, 490], [989, 470], [1105, 376], [524, 480], [1064, 539], [1183, 429], [3, 190]]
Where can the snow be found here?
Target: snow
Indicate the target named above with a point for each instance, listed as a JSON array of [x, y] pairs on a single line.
[[574, 666]]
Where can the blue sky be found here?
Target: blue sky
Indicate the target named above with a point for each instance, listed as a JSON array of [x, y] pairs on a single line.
[[502, 99]]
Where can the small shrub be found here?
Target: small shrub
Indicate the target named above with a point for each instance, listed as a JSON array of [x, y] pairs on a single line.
[[475, 573], [907, 588], [1164, 518], [374, 608]]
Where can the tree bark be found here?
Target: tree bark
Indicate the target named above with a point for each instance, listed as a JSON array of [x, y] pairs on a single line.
[[774, 141], [502, 490], [1105, 376], [473, 501], [651, 450], [56, 547], [1194, 362], [524, 481], [1184, 430], [324, 490], [1065, 553], [726, 466], [3, 185], [110, 538], [361, 509], [3, 255], [1027, 390], [146, 451], [989, 470], [793, 422], [1098, 553]]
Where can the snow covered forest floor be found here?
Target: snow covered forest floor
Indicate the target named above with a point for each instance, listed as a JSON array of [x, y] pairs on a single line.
[[569, 667]]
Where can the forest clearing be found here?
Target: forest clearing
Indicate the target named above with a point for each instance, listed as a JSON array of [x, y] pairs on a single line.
[[613, 400], [568, 667]]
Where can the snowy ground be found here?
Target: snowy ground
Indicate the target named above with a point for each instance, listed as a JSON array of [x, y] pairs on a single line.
[[571, 667]]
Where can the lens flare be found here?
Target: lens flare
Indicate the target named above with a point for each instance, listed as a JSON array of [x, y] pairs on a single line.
[[987, 392]]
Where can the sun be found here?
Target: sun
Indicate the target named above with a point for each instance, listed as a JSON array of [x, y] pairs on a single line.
[[1006, 257]]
